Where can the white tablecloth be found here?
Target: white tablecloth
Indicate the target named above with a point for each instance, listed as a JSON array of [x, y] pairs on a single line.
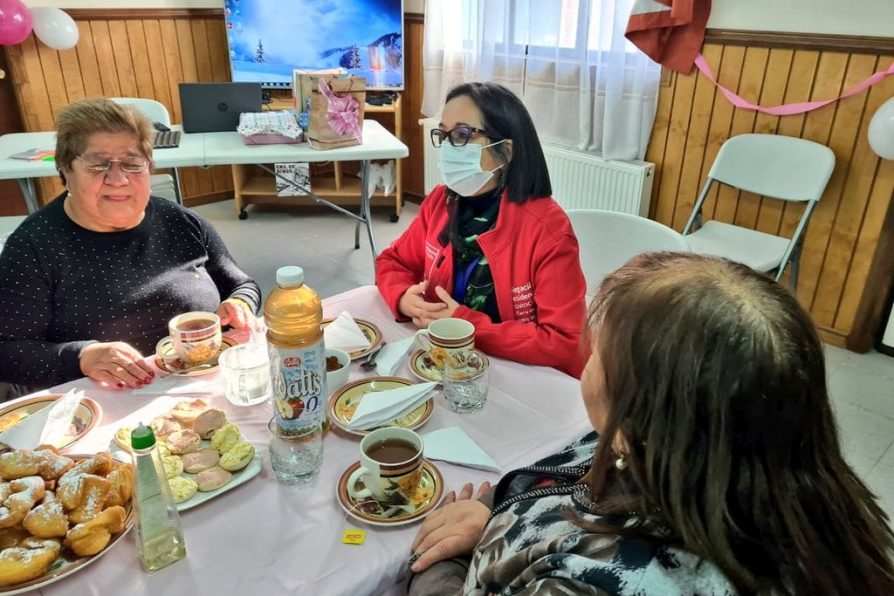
[[265, 538]]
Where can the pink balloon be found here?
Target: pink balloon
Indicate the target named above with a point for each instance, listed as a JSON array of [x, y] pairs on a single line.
[[15, 22]]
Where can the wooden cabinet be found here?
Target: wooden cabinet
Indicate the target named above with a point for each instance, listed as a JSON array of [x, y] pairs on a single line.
[[335, 181]]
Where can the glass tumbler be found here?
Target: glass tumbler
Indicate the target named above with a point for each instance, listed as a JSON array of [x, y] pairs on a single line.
[[295, 456], [466, 382]]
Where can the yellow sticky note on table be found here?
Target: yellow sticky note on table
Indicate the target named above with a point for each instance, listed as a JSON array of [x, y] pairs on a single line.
[[353, 536]]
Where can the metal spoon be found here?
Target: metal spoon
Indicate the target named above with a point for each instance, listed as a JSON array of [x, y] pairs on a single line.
[[370, 362]]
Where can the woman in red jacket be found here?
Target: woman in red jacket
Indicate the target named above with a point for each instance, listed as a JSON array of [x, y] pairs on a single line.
[[491, 246]]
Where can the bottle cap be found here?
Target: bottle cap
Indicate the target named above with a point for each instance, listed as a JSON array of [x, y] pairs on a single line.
[[290, 276], [142, 437]]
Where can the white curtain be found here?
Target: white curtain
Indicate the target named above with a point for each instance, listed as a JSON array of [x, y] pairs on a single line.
[[584, 84]]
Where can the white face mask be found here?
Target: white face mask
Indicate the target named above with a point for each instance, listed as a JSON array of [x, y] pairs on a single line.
[[461, 167]]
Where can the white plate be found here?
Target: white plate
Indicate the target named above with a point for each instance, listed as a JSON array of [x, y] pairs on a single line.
[[240, 477]]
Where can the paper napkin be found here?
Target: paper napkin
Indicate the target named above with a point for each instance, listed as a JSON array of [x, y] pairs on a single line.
[[453, 445], [344, 334], [176, 385], [378, 407], [47, 425], [393, 355]]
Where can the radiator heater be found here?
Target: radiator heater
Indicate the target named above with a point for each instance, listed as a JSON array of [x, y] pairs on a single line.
[[579, 180]]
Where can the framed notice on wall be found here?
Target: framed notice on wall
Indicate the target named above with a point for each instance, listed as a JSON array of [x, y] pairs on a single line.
[[292, 179]]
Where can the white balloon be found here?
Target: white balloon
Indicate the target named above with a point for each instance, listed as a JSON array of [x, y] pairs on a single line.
[[881, 130], [54, 27]]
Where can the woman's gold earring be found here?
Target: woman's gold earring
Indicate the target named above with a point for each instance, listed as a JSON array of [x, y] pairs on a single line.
[[621, 463]]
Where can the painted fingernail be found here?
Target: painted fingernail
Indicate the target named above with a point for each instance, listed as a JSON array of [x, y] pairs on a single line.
[[147, 380], [119, 384]]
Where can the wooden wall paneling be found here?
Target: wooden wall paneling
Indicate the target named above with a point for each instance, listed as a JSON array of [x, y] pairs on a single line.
[[413, 170], [850, 204], [779, 65], [221, 176], [105, 58], [170, 50], [204, 71], [122, 59], [830, 77], [675, 149], [691, 179], [754, 75], [87, 63], [731, 61], [139, 58], [658, 138], [869, 188]]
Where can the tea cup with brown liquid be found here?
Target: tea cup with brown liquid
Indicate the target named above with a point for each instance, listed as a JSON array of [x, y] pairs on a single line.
[[195, 337], [390, 466]]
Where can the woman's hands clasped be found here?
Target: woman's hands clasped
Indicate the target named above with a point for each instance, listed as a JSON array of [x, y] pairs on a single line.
[[116, 364], [414, 305], [452, 530]]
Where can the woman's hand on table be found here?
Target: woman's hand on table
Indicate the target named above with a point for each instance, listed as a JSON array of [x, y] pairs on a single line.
[[414, 305], [115, 363], [235, 312], [453, 529]]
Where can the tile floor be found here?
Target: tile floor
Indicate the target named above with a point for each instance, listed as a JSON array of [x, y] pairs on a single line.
[[321, 241]]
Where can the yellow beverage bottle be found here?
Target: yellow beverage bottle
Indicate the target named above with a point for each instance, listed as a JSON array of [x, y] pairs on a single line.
[[294, 315]]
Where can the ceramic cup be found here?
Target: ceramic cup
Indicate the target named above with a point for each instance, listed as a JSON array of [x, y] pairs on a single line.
[[335, 379], [445, 337], [390, 466], [195, 336]]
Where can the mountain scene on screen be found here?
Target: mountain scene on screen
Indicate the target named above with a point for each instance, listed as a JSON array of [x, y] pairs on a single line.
[[270, 38]]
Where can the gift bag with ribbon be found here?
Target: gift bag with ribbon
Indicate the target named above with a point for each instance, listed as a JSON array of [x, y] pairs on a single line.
[[336, 110]]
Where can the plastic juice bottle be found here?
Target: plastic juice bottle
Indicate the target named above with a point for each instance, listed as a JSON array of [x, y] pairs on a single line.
[[159, 534], [294, 315]]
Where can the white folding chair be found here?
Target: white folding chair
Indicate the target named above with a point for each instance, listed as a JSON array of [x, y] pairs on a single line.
[[608, 239], [776, 166], [163, 185], [8, 224]]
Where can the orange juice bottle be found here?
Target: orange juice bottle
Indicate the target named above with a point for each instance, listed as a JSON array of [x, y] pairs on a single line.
[[294, 314]]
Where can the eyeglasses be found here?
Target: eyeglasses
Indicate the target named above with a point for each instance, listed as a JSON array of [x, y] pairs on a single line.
[[458, 137], [128, 165]]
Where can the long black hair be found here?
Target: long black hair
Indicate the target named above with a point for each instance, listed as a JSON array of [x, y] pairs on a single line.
[[505, 117], [715, 381]]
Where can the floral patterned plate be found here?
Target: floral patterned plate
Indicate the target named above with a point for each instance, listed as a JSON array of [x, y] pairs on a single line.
[[166, 360], [344, 402], [372, 333], [426, 498]]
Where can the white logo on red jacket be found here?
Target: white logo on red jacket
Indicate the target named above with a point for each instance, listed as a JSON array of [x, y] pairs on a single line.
[[523, 303]]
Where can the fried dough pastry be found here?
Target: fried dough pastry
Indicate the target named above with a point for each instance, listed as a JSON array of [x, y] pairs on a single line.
[[29, 560], [122, 485], [25, 492], [70, 489], [45, 461], [94, 492], [90, 537], [47, 520]]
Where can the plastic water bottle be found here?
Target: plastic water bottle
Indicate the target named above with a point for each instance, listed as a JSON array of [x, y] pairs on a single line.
[[159, 534], [294, 316]]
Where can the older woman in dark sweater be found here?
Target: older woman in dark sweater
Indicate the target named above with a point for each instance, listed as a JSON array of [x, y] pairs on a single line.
[[91, 280]]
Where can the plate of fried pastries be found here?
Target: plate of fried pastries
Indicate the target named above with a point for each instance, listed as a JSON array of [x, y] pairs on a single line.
[[59, 514], [203, 453]]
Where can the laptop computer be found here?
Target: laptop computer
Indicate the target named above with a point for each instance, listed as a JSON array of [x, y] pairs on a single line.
[[215, 107]]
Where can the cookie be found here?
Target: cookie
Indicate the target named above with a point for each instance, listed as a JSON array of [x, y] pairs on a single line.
[[182, 488], [237, 457], [173, 465], [225, 437]]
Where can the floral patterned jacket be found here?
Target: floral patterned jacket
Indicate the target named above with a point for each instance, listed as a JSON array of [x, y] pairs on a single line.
[[531, 545]]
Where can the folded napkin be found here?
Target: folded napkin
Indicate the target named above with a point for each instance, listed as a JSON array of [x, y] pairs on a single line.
[[177, 385], [378, 407], [46, 426], [344, 334], [393, 355], [453, 445]]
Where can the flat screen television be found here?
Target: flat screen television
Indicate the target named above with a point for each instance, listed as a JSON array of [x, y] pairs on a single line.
[[269, 38]]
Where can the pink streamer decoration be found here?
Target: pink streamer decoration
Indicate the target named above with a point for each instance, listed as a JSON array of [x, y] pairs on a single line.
[[343, 113], [789, 108]]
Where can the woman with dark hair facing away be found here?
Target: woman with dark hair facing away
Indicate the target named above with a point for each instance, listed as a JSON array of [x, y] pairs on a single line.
[[717, 468], [490, 246], [91, 279]]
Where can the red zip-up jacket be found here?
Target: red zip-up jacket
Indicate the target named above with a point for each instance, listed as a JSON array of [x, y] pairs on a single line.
[[538, 282]]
